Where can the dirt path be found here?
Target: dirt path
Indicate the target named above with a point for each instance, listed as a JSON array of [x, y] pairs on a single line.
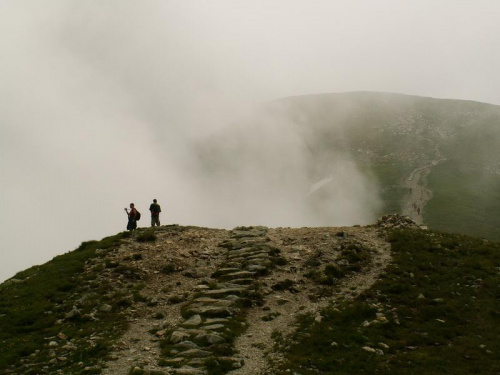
[[255, 346], [196, 254], [414, 203]]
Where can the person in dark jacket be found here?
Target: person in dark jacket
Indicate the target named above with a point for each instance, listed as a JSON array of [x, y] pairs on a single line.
[[155, 213], [132, 217]]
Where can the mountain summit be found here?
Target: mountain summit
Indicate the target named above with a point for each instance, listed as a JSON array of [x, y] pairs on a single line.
[[389, 297]]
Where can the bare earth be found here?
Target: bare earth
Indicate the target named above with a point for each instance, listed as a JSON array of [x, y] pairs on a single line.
[[196, 255], [256, 345], [195, 252]]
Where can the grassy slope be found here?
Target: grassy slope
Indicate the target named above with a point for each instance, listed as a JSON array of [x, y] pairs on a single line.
[[388, 136], [401, 132], [31, 308], [389, 182], [464, 200], [453, 330], [466, 197]]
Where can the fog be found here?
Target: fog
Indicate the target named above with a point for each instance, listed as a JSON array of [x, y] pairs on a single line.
[[103, 103], [269, 169]]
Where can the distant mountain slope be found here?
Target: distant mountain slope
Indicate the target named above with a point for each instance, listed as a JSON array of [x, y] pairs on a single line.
[[433, 159]]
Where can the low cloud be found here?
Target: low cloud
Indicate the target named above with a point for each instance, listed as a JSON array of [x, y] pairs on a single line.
[[106, 103], [265, 170]]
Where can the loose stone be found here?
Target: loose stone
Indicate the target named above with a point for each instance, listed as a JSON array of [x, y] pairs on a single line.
[[195, 320], [178, 336]]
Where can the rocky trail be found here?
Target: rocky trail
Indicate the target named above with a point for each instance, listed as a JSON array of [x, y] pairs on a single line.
[[419, 195], [213, 298]]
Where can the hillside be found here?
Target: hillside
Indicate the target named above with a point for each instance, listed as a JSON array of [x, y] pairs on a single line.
[[387, 298], [432, 159]]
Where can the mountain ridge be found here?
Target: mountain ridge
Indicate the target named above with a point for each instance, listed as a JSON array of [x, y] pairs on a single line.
[[389, 297], [190, 300], [381, 93]]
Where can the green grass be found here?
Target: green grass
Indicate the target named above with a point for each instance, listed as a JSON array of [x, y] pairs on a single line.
[[148, 235], [442, 333], [388, 178], [465, 200], [31, 308], [386, 136], [353, 257]]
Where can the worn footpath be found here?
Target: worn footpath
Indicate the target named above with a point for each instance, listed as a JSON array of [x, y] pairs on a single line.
[[226, 294]]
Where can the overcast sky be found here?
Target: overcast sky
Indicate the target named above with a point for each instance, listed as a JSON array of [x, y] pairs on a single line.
[[98, 99]]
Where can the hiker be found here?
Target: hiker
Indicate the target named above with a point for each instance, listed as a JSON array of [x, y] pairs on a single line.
[[133, 216], [155, 213]]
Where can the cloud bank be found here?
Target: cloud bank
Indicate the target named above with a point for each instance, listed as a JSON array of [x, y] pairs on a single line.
[[100, 103]]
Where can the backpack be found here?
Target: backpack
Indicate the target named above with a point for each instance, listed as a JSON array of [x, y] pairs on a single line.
[[137, 216]]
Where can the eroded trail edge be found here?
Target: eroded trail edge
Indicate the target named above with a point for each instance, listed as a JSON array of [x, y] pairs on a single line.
[[289, 291]]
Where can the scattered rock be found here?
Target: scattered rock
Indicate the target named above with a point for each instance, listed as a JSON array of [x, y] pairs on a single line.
[[178, 336], [74, 313], [372, 350], [106, 308], [396, 221], [210, 317], [383, 345], [161, 333], [198, 353], [195, 320], [186, 345], [212, 338]]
